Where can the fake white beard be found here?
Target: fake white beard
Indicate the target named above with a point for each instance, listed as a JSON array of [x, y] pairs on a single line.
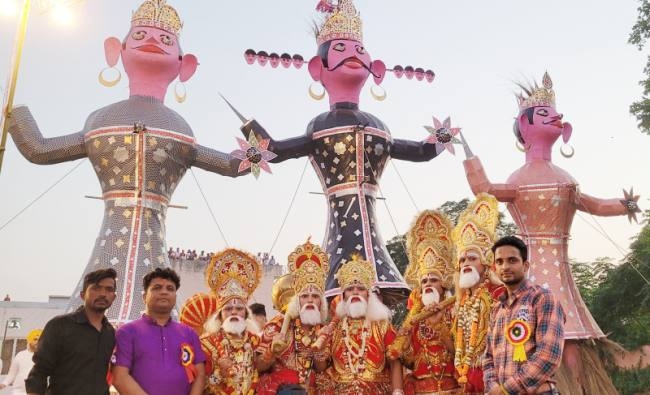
[[373, 309], [430, 297], [310, 317], [470, 279], [236, 327], [293, 310]]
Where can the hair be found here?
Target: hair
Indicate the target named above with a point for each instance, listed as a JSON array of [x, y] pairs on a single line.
[[250, 52], [97, 276], [322, 52], [263, 53], [167, 274], [530, 111], [512, 241], [257, 309]]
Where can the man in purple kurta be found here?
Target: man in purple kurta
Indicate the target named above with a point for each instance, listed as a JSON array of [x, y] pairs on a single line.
[[155, 355]]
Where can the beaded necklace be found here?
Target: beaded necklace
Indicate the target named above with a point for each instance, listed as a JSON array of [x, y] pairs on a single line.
[[355, 368], [301, 344], [240, 352], [467, 322]]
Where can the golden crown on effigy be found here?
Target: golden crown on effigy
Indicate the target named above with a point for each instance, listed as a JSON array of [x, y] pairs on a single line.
[[430, 249], [476, 227], [308, 264], [356, 271], [157, 13], [342, 23], [232, 274], [536, 95]]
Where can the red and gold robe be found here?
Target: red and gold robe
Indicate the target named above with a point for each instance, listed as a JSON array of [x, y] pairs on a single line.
[[242, 377], [431, 362], [359, 370], [295, 363]]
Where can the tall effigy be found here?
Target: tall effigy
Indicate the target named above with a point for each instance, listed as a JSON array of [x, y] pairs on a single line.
[[542, 199], [140, 149], [349, 148]]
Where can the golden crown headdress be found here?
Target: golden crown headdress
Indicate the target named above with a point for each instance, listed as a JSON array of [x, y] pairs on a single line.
[[309, 265], [430, 249], [476, 227], [537, 96], [231, 274], [356, 270], [157, 13], [343, 22]]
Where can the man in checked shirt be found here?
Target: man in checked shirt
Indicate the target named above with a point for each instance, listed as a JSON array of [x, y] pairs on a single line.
[[526, 335]]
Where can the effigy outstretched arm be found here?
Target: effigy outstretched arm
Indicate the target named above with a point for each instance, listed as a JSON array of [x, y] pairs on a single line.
[[290, 148], [41, 150], [610, 207], [479, 181], [415, 151], [217, 162]]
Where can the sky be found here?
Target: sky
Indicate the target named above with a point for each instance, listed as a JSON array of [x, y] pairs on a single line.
[[478, 51]]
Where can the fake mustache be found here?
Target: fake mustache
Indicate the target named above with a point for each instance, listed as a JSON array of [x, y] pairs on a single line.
[[359, 62]]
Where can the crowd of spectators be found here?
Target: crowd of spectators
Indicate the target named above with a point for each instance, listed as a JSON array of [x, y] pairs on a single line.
[[177, 256]]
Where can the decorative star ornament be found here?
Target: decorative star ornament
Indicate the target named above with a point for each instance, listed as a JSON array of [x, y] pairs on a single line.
[[443, 133], [254, 154], [630, 201]]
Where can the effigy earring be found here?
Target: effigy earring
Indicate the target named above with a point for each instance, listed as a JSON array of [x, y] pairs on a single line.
[[315, 95], [568, 154], [109, 83], [521, 147], [378, 96], [180, 97]]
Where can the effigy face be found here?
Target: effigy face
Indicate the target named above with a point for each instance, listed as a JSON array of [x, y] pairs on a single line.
[[348, 64], [540, 125], [146, 49]]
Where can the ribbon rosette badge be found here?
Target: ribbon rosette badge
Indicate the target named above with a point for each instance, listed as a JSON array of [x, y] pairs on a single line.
[[517, 333], [187, 360]]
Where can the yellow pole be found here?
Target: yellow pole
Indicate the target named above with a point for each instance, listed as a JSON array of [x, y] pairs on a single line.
[[7, 104]]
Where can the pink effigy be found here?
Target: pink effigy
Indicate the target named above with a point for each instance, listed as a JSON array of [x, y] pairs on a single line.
[[543, 198]]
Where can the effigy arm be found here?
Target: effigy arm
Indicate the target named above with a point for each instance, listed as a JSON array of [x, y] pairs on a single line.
[[479, 181], [601, 207], [217, 162], [291, 148], [415, 151], [41, 150]]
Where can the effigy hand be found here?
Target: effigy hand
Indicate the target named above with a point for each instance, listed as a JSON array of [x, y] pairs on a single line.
[[630, 201]]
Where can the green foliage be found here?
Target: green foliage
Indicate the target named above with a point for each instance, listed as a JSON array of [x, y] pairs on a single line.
[[639, 36], [621, 304], [589, 276], [632, 381]]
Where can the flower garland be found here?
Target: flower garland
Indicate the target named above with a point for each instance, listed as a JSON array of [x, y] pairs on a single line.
[[355, 368], [467, 322]]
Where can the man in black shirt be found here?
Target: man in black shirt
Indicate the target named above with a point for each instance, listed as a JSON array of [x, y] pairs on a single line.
[[75, 349]]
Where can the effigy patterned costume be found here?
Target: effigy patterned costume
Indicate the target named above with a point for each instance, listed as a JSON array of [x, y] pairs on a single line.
[[349, 149], [423, 349], [294, 357], [140, 149], [475, 231], [542, 199], [231, 275]]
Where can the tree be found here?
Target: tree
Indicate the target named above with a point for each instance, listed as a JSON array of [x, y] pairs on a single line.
[[621, 304], [590, 276], [639, 36]]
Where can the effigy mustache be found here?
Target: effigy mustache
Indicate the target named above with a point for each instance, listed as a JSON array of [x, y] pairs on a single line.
[[365, 66]]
